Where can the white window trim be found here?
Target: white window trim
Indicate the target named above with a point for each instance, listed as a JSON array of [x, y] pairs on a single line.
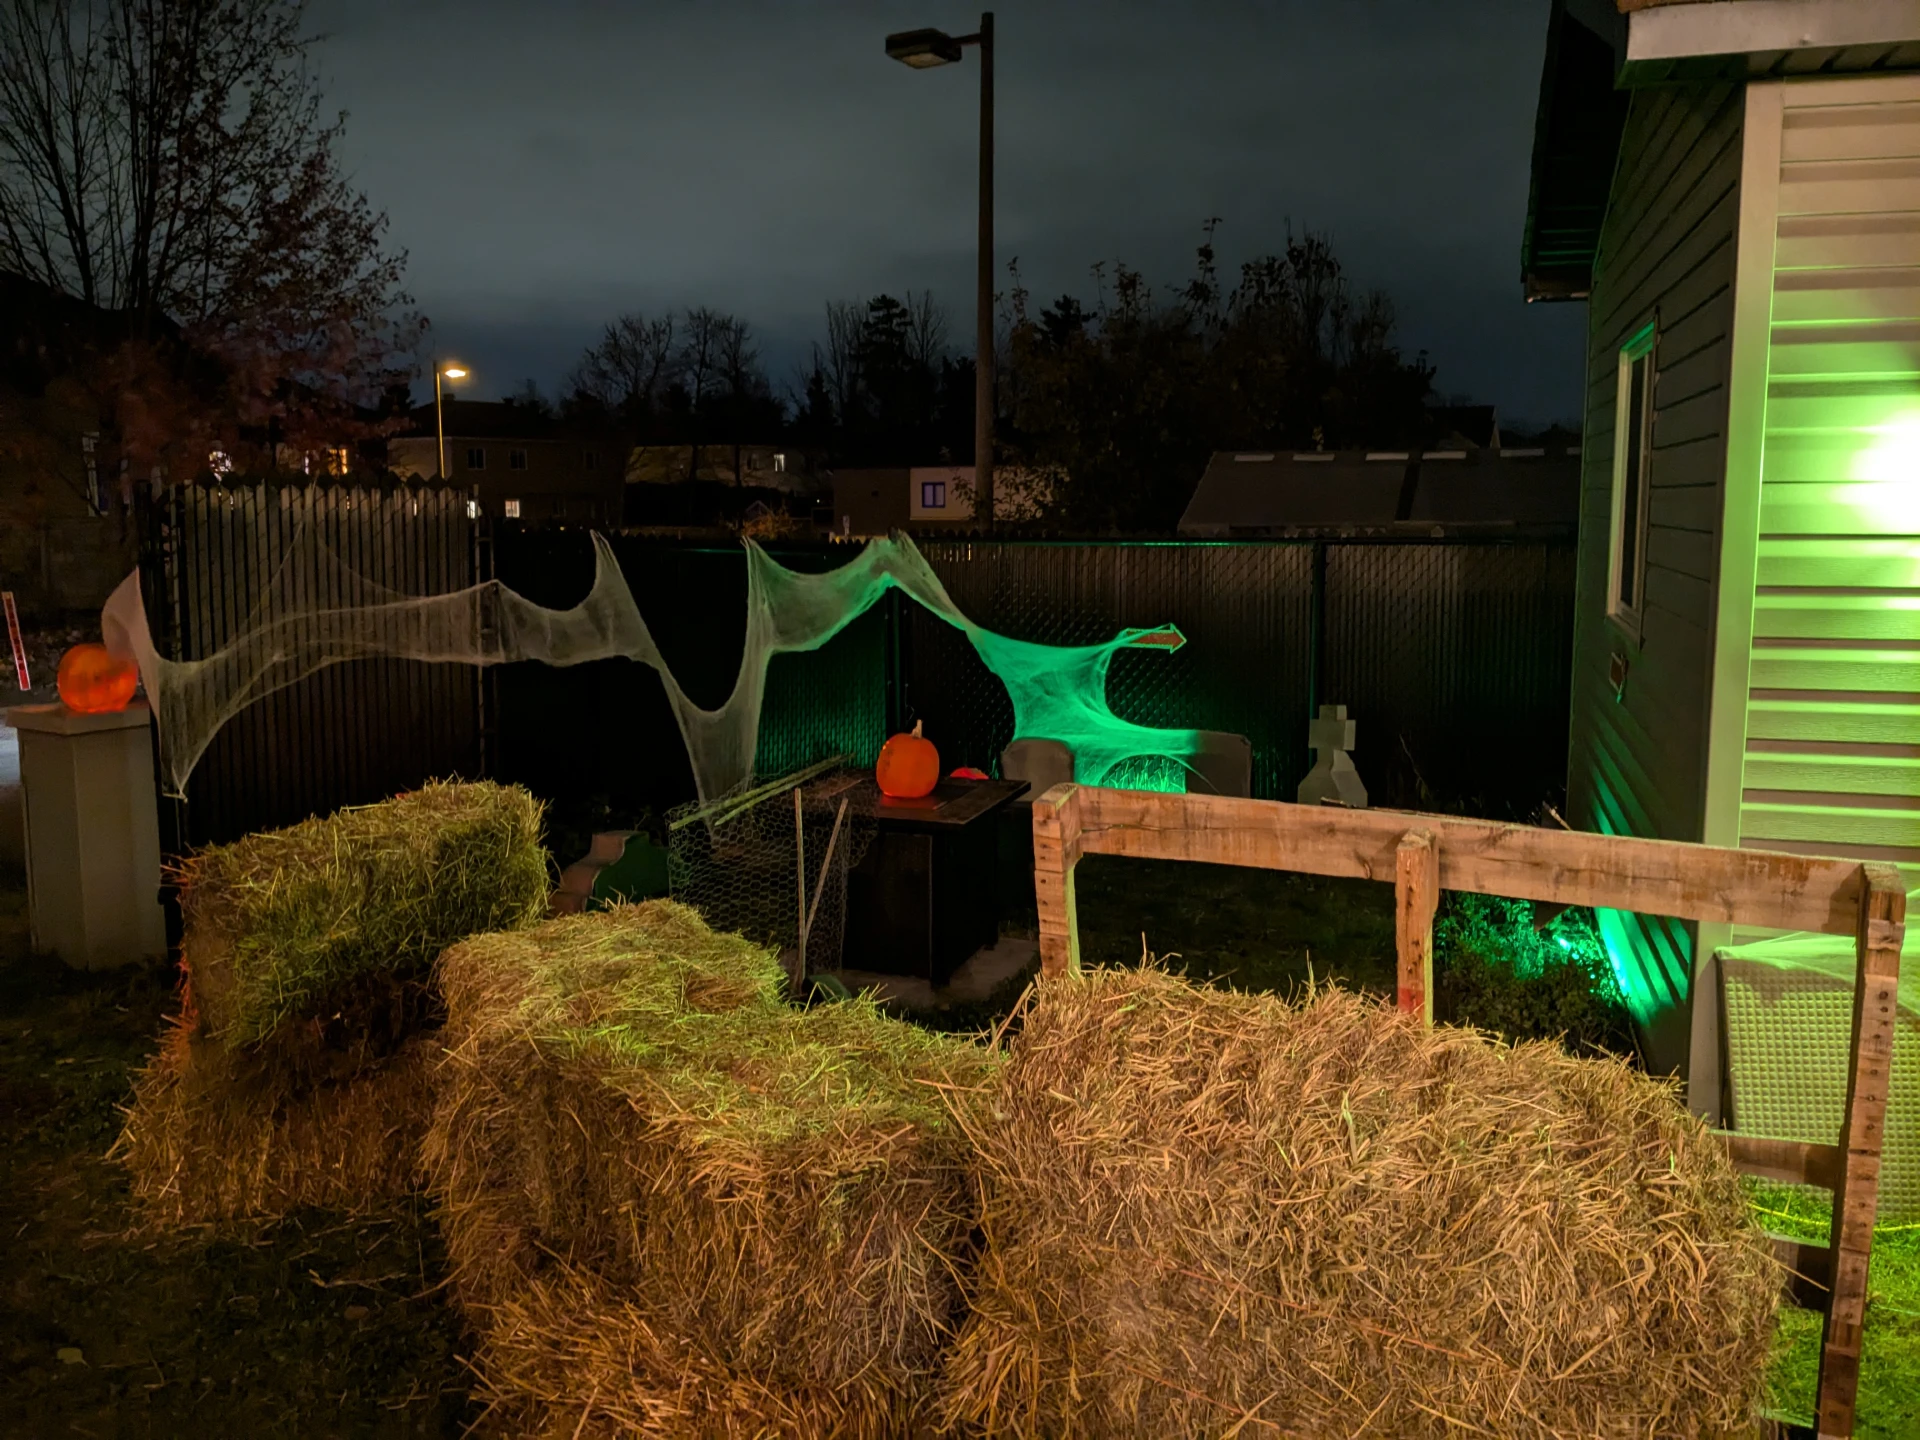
[[1641, 343], [510, 509]]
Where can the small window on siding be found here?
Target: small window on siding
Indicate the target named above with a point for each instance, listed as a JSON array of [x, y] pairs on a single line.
[[933, 494], [516, 459], [1632, 448], [510, 509], [476, 457]]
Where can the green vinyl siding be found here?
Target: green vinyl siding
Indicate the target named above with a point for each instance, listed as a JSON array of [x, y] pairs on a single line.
[[1832, 738], [1636, 762]]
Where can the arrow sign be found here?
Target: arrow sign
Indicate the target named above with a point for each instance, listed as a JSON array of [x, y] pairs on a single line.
[[1166, 638]]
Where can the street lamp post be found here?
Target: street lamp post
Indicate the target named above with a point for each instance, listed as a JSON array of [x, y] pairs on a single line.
[[451, 372], [924, 49]]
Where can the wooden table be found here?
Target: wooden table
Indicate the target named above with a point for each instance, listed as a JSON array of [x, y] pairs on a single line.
[[926, 895]]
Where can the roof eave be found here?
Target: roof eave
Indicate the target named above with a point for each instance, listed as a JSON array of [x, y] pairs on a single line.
[[1712, 40]]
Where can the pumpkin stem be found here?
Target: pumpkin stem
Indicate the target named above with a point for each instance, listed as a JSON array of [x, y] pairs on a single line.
[[916, 729]]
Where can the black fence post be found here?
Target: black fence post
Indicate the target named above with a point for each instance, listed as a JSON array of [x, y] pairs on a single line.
[[1317, 632], [895, 679]]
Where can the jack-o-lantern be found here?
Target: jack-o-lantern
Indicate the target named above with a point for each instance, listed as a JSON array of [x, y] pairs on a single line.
[[95, 681], [909, 766]]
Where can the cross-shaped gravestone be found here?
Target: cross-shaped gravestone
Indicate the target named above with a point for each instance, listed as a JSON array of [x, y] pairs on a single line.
[[1333, 780]]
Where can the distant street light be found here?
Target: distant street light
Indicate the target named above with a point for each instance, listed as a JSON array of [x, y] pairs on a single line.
[[924, 49], [451, 372]]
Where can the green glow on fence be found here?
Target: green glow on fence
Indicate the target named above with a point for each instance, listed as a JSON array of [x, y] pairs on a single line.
[[1059, 692]]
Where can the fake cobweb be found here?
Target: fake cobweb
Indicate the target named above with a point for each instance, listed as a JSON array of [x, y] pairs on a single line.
[[1058, 692]]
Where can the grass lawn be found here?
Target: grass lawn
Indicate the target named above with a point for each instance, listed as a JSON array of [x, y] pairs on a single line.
[[1889, 1406], [318, 1327], [312, 1327]]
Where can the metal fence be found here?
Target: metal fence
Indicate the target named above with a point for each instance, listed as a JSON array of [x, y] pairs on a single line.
[[1453, 657], [353, 732]]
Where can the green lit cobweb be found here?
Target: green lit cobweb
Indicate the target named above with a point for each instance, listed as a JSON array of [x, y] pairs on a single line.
[[1058, 691]]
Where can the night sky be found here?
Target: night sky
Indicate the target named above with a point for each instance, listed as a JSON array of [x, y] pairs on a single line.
[[549, 165]]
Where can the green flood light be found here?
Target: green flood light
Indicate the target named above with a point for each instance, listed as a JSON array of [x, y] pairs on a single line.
[[1893, 455]]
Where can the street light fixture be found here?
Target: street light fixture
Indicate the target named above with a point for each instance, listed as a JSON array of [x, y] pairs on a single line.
[[451, 372], [924, 49]]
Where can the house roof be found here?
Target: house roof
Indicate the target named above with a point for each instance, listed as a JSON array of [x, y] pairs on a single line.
[[1257, 493], [1576, 136], [1600, 50]]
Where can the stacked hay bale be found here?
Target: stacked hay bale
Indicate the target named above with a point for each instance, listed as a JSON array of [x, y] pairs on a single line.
[[299, 1069], [678, 1206], [1213, 1214]]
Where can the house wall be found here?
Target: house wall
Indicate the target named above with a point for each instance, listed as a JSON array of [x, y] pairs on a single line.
[[870, 502], [955, 492], [1637, 759], [1829, 753], [555, 485]]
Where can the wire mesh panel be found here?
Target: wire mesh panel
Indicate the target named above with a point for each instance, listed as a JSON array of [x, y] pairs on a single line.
[[353, 732], [774, 868], [1454, 659]]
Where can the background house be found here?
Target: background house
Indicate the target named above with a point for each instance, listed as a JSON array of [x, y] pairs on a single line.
[[524, 465], [65, 540], [758, 467], [1255, 493], [870, 502], [1735, 188]]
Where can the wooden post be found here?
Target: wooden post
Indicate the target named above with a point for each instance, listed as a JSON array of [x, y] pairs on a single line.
[[1416, 895], [1056, 848], [1883, 911]]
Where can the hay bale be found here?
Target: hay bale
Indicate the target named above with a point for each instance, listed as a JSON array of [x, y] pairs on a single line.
[[281, 925], [214, 1136], [298, 1070], [1209, 1213], [677, 1206]]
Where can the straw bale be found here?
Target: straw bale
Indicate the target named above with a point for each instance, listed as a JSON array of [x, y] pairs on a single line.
[[678, 1206], [213, 1136], [325, 918], [1209, 1213]]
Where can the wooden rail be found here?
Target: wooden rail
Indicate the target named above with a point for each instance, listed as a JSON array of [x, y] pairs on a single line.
[[1421, 855]]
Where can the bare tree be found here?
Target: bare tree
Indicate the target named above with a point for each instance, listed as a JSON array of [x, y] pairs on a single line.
[[167, 158], [741, 382], [927, 333], [697, 370], [840, 361], [630, 367]]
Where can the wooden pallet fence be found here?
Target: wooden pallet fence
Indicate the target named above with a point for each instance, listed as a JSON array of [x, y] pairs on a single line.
[[1421, 855]]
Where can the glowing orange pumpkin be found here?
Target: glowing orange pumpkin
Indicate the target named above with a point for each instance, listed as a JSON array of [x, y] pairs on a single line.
[[909, 766], [95, 681]]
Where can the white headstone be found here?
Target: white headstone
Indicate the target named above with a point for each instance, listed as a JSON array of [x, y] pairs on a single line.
[[1332, 780]]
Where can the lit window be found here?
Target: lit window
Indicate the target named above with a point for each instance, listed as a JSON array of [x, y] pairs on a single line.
[[592, 458], [510, 508], [476, 457], [516, 459], [933, 494], [219, 462], [338, 460], [473, 509], [1632, 454], [779, 464]]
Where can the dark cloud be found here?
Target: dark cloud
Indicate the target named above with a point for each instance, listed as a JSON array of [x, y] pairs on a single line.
[[549, 165]]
